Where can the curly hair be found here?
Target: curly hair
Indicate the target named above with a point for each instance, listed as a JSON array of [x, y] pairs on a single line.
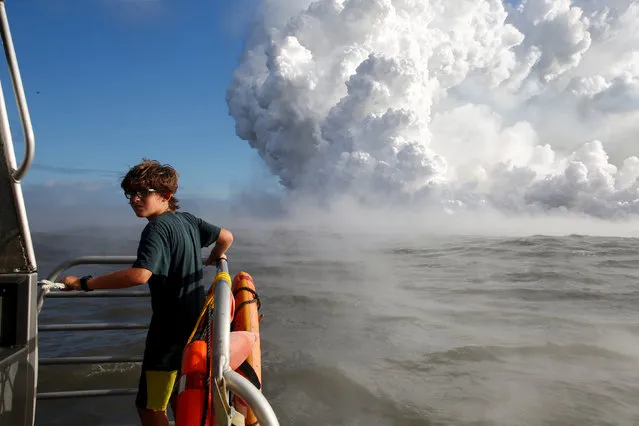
[[151, 174]]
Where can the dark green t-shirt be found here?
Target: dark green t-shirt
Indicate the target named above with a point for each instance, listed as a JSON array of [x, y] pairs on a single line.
[[170, 247]]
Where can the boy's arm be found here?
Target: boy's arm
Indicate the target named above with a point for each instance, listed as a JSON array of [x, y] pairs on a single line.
[[129, 277], [222, 244], [152, 257]]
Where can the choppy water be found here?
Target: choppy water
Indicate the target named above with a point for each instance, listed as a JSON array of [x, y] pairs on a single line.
[[419, 330]]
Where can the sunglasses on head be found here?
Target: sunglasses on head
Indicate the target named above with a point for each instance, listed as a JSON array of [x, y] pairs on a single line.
[[142, 194]]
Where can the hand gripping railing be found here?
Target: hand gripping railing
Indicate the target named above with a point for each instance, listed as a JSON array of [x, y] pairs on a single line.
[[87, 260], [223, 375], [21, 100]]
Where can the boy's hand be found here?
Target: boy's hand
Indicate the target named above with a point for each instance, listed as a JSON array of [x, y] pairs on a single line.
[[71, 283]]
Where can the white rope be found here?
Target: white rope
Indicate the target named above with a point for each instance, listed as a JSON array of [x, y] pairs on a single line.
[[47, 285]]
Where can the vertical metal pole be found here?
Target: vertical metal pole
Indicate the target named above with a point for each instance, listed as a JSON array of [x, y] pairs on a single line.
[[5, 134], [222, 370], [222, 319], [220, 342]]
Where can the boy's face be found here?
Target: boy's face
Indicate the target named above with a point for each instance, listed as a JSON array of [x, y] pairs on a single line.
[[147, 203]]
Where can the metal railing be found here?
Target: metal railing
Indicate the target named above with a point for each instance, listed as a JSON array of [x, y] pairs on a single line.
[[90, 260], [224, 376], [53, 276], [16, 173], [21, 100]]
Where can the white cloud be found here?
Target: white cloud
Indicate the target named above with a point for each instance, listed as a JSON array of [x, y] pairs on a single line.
[[462, 104]]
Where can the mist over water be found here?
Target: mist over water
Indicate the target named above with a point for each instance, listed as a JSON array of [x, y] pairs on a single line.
[[373, 328], [454, 105]]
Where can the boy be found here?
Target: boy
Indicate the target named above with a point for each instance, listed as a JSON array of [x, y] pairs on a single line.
[[169, 259]]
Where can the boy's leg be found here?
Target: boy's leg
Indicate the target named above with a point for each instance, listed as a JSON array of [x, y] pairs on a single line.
[[154, 393]]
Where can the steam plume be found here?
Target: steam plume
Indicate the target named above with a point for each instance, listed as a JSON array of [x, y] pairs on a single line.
[[455, 103]]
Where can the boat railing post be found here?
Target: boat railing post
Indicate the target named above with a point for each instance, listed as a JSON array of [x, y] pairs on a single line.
[[222, 319], [222, 371], [21, 99], [221, 335]]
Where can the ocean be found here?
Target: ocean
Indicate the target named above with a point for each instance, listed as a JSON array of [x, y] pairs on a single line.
[[412, 329]]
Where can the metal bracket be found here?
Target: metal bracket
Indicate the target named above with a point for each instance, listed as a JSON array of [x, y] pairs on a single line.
[[220, 404]]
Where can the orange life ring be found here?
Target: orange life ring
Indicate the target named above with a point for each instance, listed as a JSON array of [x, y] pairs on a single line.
[[246, 318], [244, 353], [192, 386]]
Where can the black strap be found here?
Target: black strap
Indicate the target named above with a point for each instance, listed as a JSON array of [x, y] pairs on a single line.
[[246, 302], [250, 290], [250, 374], [245, 367], [207, 338], [84, 283]]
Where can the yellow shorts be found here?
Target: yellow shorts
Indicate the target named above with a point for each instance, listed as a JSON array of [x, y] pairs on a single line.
[[155, 389]]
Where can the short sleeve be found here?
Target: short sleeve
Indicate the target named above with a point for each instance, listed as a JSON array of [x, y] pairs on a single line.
[[153, 251], [208, 233]]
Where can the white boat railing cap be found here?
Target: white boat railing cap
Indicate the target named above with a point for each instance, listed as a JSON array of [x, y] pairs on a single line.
[[21, 99]]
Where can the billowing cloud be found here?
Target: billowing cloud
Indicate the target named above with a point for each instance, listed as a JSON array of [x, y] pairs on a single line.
[[462, 104]]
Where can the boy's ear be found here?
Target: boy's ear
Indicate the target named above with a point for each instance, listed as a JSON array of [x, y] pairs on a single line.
[[168, 195]]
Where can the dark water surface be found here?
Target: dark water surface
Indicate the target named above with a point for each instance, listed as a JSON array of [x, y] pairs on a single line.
[[419, 330]]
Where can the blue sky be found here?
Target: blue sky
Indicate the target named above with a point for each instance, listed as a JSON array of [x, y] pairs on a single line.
[[111, 81]]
